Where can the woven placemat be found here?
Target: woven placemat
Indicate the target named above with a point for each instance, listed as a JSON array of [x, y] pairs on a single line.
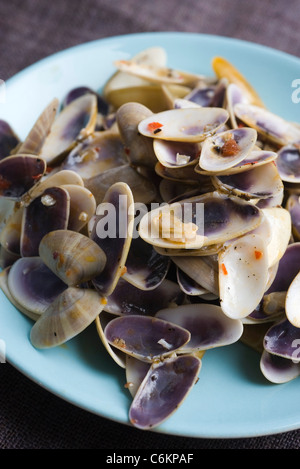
[[31, 417]]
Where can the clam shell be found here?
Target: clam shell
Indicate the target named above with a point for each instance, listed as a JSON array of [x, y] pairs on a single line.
[[293, 207], [208, 325], [260, 182], [270, 125], [74, 122], [292, 302], [144, 337], [127, 299], [36, 137], [164, 388], [217, 218], [176, 154], [97, 153], [112, 231], [184, 125], [225, 69], [117, 355], [8, 139], [277, 369], [288, 163], [203, 270], [33, 285], [136, 371], [243, 275], [48, 212], [69, 314], [282, 339], [188, 285], [72, 256], [212, 157], [82, 206], [19, 173]]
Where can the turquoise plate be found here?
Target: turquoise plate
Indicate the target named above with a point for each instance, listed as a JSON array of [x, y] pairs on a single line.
[[231, 399]]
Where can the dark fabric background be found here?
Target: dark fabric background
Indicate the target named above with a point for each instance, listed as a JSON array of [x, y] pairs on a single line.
[[31, 417]]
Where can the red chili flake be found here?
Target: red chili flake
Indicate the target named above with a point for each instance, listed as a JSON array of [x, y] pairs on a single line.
[[224, 270], [154, 126], [55, 255], [258, 254]]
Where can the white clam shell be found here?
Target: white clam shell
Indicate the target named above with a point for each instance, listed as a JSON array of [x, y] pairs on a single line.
[[292, 302], [243, 275]]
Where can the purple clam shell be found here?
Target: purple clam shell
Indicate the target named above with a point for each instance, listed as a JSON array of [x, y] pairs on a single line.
[[145, 266], [126, 299], [163, 390], [8, 139], [283, 339], [82, 90], [278, 369], [33, 284], [40, 219], [19, 173], [145, 337], [288, 162]]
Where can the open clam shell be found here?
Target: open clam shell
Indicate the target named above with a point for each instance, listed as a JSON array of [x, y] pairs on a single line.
[[69, 314], [260, 182], [189, 286], [270, 125], [8, 139], [184, 125], [243, 275], [139, 148], [282, 339], [199, 221], [117, 355], [74, 122], [48, 212], [95, 154], [112, 231], [144, 337], [36, 137], [277, 369], [292, 302], [227, 149], [208, 325], [19, 173], [288, 163], [33, 285], [136, 371], [145, 267], [72, 256], [163, 389], [225, 69], [127, 299], [176, 154]]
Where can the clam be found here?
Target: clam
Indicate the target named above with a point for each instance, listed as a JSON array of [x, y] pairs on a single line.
[[270, 125], [112, 231], [292, 302], [19, 173], [139, 148], [82, 206], [136, 371], [183, 125], [75, 122], [202, 269], [243, 274], [208, 325], [199, 221], [117, 355], [188, 285], [176, 154], [147, 338], [163, 389], [293, 207], [72, 256], [278, 369], [33, 285], [35, 139], [68, 315], [225, 69], [95, 154], [288, 163], [227, 149], [260, 182], [77, 92], [127, 299], [48, 212], [8, 139], [282, 340]]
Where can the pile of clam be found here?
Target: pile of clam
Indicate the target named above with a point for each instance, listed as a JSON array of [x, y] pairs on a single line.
[[203, 248]]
